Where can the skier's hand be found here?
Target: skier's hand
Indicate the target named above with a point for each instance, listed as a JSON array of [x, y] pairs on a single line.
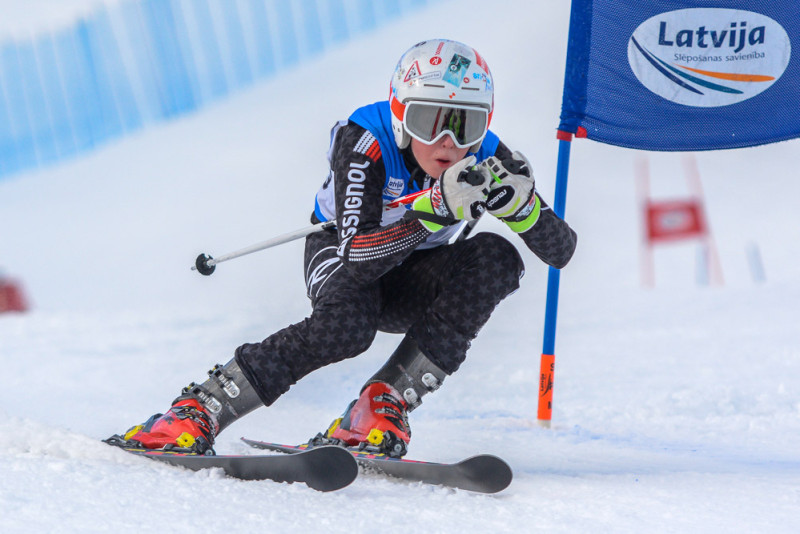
[[459, 194], [512, 195]]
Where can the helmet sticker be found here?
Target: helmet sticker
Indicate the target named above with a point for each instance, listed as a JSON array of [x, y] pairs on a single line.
[[482, 77], [456, 70], [413, 72]]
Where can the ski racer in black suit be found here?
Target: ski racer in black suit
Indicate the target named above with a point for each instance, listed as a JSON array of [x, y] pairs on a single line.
[[395, 270]]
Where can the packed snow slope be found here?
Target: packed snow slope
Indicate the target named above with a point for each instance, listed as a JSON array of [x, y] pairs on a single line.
[[676, 409]]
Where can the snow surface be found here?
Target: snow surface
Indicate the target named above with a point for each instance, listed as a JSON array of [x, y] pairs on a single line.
[[677, 409]]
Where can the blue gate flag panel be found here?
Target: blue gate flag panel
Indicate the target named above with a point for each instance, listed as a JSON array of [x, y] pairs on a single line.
[[683, 75]]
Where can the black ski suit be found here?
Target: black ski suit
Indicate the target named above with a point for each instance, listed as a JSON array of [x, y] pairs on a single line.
[[376, 278]]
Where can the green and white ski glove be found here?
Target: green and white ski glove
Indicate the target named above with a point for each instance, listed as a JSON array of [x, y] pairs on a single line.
[[512, 195], [459, 194]]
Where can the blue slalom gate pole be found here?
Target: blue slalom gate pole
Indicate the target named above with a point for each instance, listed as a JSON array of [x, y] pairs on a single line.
[[547, 366]]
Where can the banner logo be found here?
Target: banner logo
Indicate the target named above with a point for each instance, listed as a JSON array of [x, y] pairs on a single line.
[[709, 57]]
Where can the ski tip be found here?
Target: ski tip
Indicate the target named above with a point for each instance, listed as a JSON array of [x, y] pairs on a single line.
[[339, 467], [487, 472], [325, 468]]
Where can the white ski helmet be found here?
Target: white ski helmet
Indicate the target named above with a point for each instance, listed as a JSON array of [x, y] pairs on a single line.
[[434, 79]]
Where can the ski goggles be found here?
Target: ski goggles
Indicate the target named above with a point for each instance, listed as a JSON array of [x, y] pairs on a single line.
[[427, 122]]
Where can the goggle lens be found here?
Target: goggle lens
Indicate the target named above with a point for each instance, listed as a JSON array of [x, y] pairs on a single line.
[[428, 122]]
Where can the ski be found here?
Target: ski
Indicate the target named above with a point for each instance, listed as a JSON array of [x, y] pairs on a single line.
[[325, 468], [483, 473]]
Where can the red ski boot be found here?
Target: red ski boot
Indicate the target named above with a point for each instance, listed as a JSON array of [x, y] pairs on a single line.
[[197, 416], [186, 427], [377, 422]]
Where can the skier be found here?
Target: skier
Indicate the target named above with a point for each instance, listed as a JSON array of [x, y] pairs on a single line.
[[395, 270]]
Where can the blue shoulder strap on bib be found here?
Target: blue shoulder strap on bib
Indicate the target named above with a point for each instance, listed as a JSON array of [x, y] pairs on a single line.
[[377, 119]]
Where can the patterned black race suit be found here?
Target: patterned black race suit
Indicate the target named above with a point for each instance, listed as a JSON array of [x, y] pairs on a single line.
[[363, 277]]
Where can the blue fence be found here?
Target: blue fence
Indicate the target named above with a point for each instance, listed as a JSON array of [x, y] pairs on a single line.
[[144, 61]]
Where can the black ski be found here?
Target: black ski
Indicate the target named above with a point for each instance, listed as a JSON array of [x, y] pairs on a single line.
[[484, 473], [325, 468]]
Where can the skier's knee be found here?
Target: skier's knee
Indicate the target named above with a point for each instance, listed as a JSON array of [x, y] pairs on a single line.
[[500, 258], [342, 334]]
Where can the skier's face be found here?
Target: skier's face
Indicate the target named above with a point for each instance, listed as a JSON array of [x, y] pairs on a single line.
[[438, 157]]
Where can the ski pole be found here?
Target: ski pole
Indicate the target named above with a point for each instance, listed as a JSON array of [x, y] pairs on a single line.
[[205, 264]]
